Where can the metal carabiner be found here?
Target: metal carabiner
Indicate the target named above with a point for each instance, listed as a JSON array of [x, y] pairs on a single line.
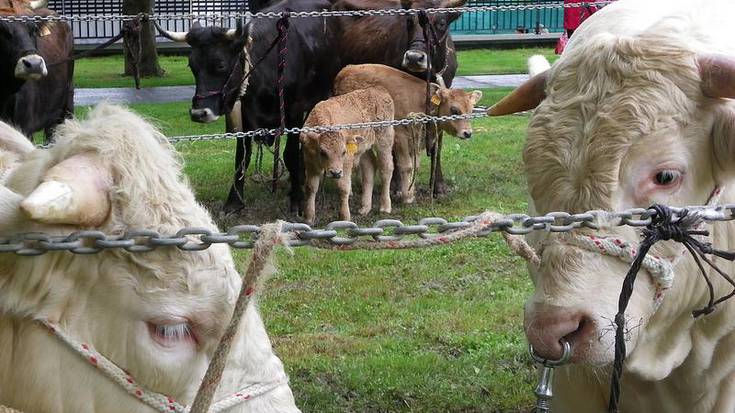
[[543, 391]]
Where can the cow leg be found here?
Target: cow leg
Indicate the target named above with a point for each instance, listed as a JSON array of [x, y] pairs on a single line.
[[440, 187], [236, 199], [313, 178], [294, 160], [406, 156], [385, 166], [344, 185], [367, 169]]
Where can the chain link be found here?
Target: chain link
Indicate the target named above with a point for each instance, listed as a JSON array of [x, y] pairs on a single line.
[[339, 233], [301, 14]]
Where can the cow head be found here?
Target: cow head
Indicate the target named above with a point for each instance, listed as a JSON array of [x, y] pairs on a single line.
[[622, 122], [330, 149], [160, 314], [450, 102], [20, 58], [217, 61], [416, 58]]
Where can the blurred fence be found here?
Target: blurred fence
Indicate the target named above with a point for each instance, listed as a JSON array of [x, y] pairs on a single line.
[[487, 22]]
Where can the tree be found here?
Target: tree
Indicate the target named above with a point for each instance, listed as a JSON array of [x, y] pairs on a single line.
[[149, 54]]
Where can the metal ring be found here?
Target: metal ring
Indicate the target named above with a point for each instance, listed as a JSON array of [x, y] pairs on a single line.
[[564, 359]]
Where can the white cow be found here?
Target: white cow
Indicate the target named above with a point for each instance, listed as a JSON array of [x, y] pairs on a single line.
[[159, 315], [636, 111]]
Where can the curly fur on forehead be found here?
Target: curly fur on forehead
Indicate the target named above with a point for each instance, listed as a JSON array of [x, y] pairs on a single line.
[[600, 100]]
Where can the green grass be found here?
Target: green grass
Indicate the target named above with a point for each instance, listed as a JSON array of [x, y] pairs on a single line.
[[97, 72], [433, 330], [493, 61]]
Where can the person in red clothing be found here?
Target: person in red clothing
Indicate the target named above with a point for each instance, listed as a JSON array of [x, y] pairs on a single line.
[[574, 16]]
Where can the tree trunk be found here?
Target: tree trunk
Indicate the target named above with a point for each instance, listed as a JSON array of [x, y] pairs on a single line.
[[149, 66]]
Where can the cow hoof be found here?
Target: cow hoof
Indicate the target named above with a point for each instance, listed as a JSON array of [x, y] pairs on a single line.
[[385, 210], [364, 211], [232, 208], [440, 189]]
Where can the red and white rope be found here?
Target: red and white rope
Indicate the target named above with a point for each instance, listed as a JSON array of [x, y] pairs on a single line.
[[158, 401], [660, 269]]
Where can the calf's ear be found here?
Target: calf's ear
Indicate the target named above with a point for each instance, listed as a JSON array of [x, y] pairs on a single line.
[[74, 192], [475, 96]]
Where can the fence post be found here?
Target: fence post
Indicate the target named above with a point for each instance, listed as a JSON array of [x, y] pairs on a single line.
[[538, 17]]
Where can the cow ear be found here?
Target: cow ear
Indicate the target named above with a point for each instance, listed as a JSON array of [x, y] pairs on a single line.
[[306, 137], [723, 140], [73, 192], [475, 96]]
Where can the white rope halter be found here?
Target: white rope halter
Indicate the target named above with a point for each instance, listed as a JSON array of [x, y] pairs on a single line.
[[661, 269], [158, 401]]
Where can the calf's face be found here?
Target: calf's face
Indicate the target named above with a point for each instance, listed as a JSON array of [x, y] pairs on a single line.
[[330, 149], [456, 102]]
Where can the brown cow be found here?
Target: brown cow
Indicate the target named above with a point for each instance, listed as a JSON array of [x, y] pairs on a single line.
[[335, 153], [409, 97]]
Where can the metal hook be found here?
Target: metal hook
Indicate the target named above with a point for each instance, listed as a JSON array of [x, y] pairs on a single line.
[[543, 391]]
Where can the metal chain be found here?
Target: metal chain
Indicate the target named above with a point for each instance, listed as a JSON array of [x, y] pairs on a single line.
[[340, 233], [481, 113], [302, 14]]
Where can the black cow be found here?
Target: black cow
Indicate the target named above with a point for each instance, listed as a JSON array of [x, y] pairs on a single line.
[[217, 62], [37, 91], [315, 50]]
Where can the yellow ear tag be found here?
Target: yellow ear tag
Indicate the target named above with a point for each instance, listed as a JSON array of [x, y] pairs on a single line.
[[45, 31], [352, 148], [436, 100]]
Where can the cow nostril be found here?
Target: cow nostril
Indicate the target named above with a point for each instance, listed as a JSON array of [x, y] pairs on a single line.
[[467, 134], [26, 63]]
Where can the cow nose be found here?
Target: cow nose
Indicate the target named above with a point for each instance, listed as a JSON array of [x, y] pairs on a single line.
[[335, 173], [466, 134], [205, 115], [31, 67], [547, 325], [415, 61]]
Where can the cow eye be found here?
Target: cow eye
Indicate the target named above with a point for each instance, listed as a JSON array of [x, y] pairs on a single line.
[[323, 152], [171, 334], [455, 111], [667, 177]]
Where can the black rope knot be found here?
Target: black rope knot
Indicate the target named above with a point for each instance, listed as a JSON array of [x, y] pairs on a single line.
[[663, 227]]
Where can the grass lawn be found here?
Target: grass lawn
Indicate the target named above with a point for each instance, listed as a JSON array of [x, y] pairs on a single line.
[[107, 71], [433, 330], [496, 62]]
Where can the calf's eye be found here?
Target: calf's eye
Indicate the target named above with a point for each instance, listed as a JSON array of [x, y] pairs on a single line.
[[667, 177]]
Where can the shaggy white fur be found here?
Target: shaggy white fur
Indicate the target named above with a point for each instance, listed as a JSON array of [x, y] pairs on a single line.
[[116, 300]]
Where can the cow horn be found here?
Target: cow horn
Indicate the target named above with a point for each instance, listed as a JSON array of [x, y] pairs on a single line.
[[440, 81], [525, 97], [74, 192], [718, 75], [38, 4], [175, 36], [453, 3]]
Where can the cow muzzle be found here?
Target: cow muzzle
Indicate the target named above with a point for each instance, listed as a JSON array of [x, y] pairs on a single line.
[[415, 61], [31, 67], [205, 115], [465, 134], [546, 326], [335, 173]]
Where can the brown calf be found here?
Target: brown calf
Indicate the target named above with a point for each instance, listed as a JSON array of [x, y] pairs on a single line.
[[409, 96], [335, 153]]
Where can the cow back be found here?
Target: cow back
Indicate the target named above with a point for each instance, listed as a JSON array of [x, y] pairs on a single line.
[[407, 91]]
